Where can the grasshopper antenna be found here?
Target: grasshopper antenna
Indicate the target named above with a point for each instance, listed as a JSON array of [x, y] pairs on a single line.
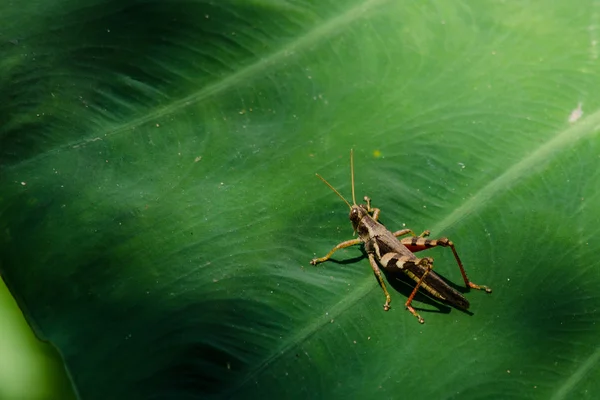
[[335, 191], [352, 174]]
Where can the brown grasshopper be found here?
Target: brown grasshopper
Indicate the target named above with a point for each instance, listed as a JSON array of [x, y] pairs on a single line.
[[397, 255]]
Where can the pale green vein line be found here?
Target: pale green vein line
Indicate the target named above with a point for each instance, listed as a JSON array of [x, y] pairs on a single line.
[[321, 32], [531, 164], [245, 74], [312, 328], [577, 376]]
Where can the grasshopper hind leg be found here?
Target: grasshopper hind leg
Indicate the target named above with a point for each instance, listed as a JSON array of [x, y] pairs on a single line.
[[428, 263], [415, 244]]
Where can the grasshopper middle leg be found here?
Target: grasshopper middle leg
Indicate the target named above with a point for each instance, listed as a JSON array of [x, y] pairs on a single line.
[[415, 244], [403, 232], [377, 272]]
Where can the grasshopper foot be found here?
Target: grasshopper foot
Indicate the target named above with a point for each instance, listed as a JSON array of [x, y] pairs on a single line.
[[413, 312], [388, 300], [480, 287], [367, 199]]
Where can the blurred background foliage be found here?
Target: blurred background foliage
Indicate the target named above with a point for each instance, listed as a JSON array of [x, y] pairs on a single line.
[[29, 369]]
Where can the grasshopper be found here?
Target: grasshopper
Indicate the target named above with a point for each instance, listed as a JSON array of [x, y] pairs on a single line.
[[383, 246]]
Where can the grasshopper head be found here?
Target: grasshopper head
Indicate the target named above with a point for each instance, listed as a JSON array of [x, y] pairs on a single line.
[[357, 213]]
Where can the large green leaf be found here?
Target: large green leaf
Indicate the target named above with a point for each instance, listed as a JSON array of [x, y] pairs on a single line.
[[159, 206]]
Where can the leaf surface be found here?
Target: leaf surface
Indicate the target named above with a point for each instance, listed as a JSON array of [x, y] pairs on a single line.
[[159, 207]]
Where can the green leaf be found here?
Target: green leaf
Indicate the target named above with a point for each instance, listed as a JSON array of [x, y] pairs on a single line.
[[159, 209]]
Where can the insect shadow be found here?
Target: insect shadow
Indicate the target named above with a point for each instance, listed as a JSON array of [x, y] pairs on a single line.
[[405, 285]]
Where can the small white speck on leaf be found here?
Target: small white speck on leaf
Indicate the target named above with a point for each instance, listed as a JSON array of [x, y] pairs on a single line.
[[576, 113]]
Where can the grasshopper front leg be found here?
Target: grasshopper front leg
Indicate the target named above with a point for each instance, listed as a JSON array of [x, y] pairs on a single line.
[[342, 245], [374, 211]]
